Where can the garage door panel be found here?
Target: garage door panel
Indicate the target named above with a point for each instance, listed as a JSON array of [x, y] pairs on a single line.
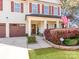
[[2, 30], [17, 30]]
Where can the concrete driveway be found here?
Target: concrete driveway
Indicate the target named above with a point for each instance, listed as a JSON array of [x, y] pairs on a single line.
[[13, 48]]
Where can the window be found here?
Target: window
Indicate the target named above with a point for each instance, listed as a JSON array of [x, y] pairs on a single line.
[[56, 11], [46, 10], [54, 25], [17, 7], [35, 8], [62, 25]]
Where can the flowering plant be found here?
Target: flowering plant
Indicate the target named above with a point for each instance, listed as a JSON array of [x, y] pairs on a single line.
[[54, 35]]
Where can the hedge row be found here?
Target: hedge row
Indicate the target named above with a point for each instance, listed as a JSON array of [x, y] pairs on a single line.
[[54, 35]]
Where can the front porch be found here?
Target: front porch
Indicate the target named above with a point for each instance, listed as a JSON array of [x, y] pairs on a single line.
[[37, 25]]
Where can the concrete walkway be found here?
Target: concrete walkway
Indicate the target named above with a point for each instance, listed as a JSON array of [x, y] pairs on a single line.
[[40, 44], [13, 48]]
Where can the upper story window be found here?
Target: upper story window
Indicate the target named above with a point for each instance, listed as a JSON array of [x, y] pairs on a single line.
[[35, 8], [1, 4], [16, 7], [56, 11], [46, 10]]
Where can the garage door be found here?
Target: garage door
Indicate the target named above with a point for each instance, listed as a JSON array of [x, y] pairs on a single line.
[[17, 30], [2, 30]]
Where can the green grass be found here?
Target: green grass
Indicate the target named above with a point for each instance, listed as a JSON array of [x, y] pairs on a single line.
[[31, 39], [51, 53]]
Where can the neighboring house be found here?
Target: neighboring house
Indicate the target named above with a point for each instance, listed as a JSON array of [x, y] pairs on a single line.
[[20, 17]]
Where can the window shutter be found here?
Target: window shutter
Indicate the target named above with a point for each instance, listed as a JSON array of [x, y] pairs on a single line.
[[59, 11], [1, 4], [12, 6], [30, 7], [52, 10], [38, 8], [49, 9], [42, 8], [22, 8]]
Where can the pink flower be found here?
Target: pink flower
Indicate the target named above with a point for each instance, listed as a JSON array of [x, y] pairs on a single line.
[[65, 20]]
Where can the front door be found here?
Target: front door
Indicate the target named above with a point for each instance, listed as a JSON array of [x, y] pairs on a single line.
[[33, 28]]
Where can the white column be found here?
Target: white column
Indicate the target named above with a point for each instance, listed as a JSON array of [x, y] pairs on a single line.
[[7, 29], [36, 28], [57, 24], [45, 24], [29, 27], [68, 23], [26, 29]]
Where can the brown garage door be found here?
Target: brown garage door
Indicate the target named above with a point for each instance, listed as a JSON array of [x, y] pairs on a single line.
[[2, 30], [17, 30]]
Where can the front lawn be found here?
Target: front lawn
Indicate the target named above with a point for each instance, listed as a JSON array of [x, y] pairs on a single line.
[[52, 53]]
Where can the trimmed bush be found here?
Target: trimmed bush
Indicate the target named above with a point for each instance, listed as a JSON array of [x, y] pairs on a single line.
[[70, 42], [31, 39], [54, 35]]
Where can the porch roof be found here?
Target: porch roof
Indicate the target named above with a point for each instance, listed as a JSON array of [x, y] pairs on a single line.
[[41, 15]]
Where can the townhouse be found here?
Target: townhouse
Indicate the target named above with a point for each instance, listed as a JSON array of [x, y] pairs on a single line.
[[21, 17]]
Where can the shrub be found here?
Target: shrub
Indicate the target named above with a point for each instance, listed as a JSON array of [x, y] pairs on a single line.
[[48, 35], [31, 39], [70, 42], [54, 35]]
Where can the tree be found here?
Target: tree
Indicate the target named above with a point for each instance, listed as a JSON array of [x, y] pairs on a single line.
[[68, 6]]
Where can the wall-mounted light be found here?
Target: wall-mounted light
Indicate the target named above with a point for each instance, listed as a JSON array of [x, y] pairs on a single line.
[[6, 17]]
